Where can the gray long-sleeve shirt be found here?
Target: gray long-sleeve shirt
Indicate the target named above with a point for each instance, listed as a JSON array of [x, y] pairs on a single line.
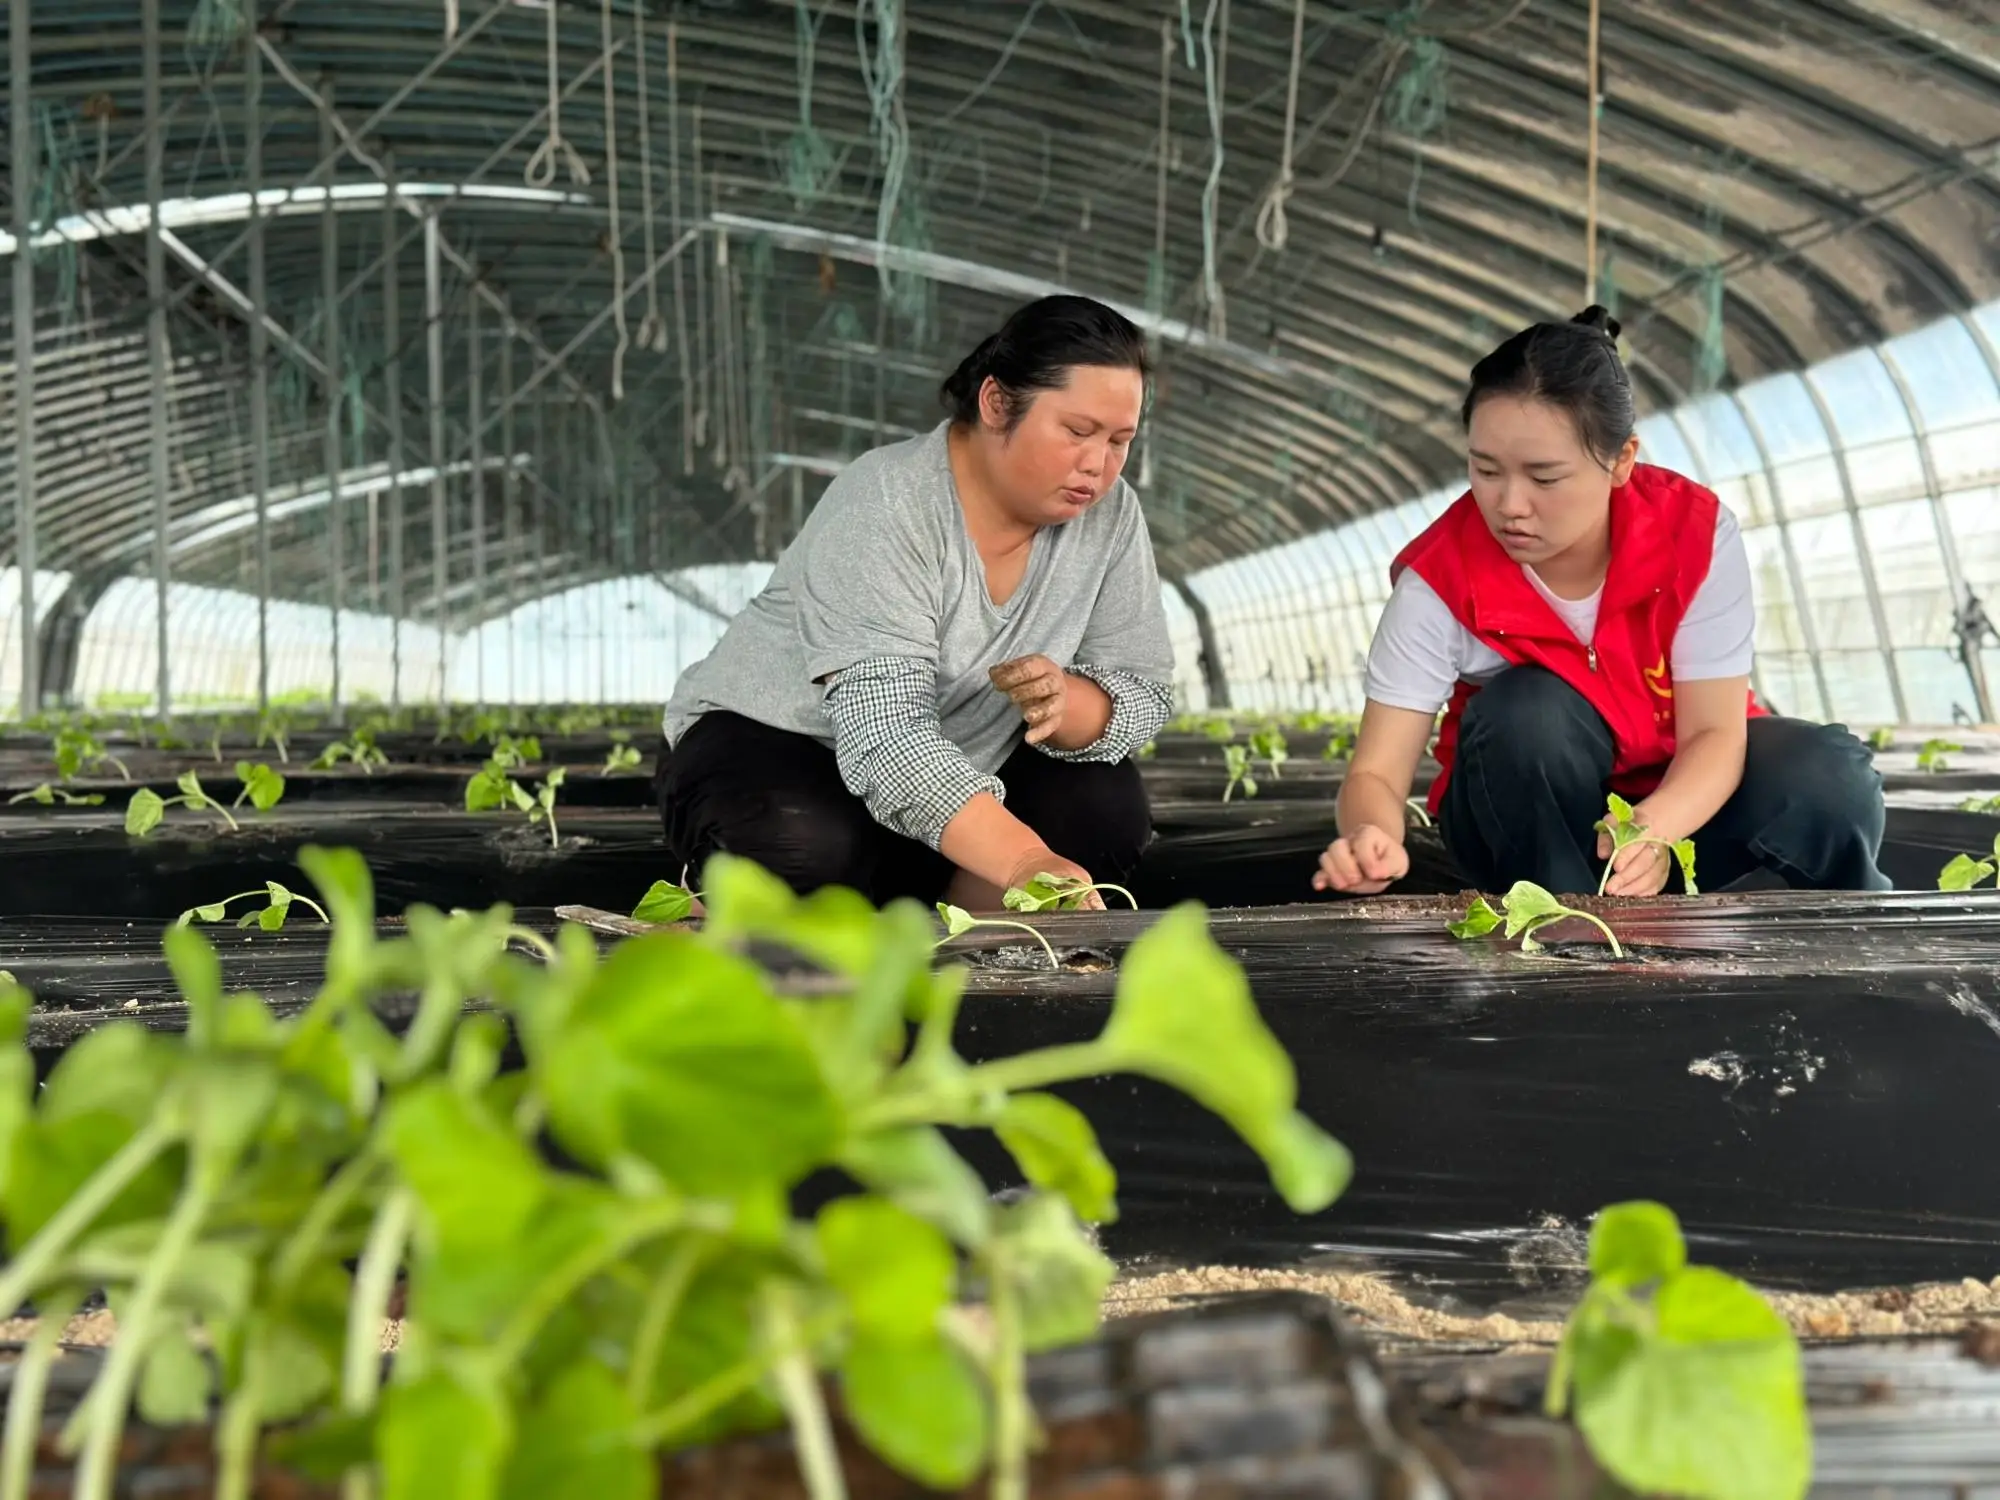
[[883, 596]]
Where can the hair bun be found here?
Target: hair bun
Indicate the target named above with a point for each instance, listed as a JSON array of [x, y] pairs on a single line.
[[1599, 317]]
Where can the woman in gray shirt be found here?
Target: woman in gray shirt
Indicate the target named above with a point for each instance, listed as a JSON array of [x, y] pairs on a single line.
[[938, 692]]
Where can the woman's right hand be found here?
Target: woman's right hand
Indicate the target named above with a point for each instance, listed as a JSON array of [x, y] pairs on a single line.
[[1364, 862], [1048, 862]]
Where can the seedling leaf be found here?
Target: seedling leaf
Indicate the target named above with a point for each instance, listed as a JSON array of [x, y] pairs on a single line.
[[1964, 872], [920, 1405], [895, 1271], [1633, 1243], [1528, 905], [1184, 1015], [1480, 918], [1052, 1142], [664, 902], [144, 812]]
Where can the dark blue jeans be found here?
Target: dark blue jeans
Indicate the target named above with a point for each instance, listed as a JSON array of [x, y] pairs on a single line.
[[1529, 783]]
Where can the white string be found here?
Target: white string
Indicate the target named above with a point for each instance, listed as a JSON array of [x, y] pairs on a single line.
[[617, 229], [1272, 229], [451, 19], [1211, 284], [542, 165], [653, 327]]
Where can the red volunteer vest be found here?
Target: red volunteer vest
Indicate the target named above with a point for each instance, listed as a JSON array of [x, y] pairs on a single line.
[[1662, 541]]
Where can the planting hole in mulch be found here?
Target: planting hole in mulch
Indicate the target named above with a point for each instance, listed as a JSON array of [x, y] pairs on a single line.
[[1027, 956], [1636, 955]]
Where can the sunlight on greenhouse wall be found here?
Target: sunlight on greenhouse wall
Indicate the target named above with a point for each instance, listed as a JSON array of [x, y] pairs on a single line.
[[1869, 493]]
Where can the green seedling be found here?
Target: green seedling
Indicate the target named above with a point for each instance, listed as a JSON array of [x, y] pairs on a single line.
[[1219, 730], [278, 903], [1681, 1378], [1931, 755], [255, 1186], [78, 750], [1414, 807], [492, 788], [1236, 760], [622, 758], [148, 808], [1626, 831], [1048, 892], [263, 788], [1964, 872], [1148, 750], [511, 754], [665, 902], [1528, 909], [958, 920], [1882, 738], [275, 729], [1339, 745], [359, 748], [49, 796], [1268, 745], [1980, 805]]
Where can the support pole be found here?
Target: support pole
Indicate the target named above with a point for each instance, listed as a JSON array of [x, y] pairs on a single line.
[[509, 497], [156, 338], [1213, 675], [1590, 198], [21, 56], [474, 394], [392, 344], [260, 368], [336, 509], [440, 535]]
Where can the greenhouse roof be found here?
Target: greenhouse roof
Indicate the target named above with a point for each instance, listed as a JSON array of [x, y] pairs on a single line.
[[838, 204]]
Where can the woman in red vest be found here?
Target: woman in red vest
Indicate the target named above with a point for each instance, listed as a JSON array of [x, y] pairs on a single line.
[[1585, 621]]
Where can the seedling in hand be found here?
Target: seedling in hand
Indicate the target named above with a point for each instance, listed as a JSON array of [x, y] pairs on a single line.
[[1682, 1379], [49, 796], [1618, 821], [263, 788], [271, 916], [1931, 755], [958, 920], [1415, 808], [1528, 909], [147, 808], [1236, 760], [1048, 892], [1268, 745], [1964, 872]]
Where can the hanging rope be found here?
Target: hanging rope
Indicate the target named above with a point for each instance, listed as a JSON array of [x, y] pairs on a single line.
[[1156, 266], [809, 160], [542, 165], [1273, 232], [451, 20], [1211, 285], [617, 225], [674, 227], [1590, 191], [652, 327]]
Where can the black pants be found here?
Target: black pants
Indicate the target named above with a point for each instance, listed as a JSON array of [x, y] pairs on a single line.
[[735, 785], [1529, 783]]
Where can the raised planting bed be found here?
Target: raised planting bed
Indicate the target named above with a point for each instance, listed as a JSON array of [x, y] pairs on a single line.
[[439, 786], [1807, 1079], [81, 862]]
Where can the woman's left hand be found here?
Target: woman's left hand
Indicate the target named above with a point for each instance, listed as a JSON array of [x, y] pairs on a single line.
[[1637, 869], [1039, 688]]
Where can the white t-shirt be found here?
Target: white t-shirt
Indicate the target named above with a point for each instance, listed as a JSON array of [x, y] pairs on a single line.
[[1420, 651]]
